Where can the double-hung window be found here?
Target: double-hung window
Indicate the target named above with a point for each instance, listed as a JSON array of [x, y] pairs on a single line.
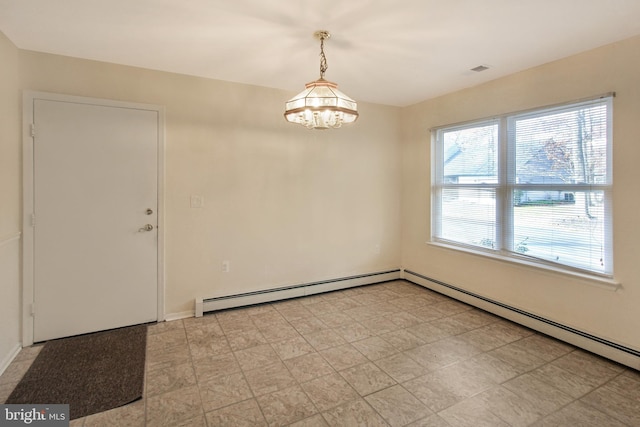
[[532, 186]]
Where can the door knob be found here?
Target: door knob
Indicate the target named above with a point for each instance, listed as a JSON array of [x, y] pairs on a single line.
[[147, 227]]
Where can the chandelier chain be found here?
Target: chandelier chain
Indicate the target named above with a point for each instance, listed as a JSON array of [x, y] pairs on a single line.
[[323, 58]]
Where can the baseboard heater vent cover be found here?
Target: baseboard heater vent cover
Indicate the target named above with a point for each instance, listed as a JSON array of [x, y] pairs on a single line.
[[611, 350], [203, 305]]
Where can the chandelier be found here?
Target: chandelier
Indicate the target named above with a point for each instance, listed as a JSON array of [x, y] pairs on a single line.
[[321, 105]]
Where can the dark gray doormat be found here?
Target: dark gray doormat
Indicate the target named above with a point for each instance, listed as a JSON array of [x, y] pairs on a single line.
[[92, 373]]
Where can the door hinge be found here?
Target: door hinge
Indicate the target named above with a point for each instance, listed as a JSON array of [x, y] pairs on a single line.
[[33, 130], [33, 308], [33, 220]]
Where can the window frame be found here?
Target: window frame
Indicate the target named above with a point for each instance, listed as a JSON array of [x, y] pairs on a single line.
[[506, 186]]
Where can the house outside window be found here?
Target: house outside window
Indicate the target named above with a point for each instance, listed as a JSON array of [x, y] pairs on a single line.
[[534, 186]]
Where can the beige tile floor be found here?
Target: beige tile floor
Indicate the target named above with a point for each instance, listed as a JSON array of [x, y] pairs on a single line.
[[387, 354]]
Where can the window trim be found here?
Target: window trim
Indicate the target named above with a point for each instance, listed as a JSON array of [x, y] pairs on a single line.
[[593, 278], [505, 187]]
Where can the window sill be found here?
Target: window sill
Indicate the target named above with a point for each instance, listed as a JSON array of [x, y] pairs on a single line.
[[602, 282]]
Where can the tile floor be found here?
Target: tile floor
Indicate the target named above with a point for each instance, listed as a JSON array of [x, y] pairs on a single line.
[[387, 354]]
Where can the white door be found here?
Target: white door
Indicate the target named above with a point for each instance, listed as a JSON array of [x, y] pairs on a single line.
[[95, 204]]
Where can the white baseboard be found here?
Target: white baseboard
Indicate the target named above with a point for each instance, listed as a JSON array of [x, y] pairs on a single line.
[[4, 364], [203, 305], [621, 354], [177, 316]]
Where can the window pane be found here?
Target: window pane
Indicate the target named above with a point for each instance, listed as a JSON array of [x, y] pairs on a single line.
[[469, 216], [471, 155], [562, 147], [536, 184], [562, 227]]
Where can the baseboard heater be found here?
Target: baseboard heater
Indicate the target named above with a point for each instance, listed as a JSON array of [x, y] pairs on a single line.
[[611, 350], [204, 305]]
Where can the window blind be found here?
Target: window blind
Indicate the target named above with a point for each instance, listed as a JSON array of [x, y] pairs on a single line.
[[535, 185]]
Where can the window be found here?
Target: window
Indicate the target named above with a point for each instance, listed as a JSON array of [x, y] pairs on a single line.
[[535, 185]]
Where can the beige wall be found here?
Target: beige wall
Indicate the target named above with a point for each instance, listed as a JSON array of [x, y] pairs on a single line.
[[572, 302], [10, 150], [10, 201], [283, 204]]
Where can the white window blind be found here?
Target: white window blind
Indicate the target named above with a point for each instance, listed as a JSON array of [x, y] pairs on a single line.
[[534, 185]]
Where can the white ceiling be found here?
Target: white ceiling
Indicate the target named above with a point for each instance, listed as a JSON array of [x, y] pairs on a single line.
[[395, 52]]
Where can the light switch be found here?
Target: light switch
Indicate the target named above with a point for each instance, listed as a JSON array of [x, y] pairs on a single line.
[[197, 201]]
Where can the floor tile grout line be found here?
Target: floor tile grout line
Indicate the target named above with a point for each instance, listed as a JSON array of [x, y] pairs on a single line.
[[373, 300], [193, 368], [299, 384], [599, 387]]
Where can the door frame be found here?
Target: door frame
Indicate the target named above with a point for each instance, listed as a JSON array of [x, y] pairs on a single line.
[[28, 265]]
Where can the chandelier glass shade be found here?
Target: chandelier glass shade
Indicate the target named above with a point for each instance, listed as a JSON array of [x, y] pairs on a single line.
[[321, 105]]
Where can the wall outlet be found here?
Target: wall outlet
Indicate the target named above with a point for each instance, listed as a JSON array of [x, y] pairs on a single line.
[[226, 266], [197, 201]]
